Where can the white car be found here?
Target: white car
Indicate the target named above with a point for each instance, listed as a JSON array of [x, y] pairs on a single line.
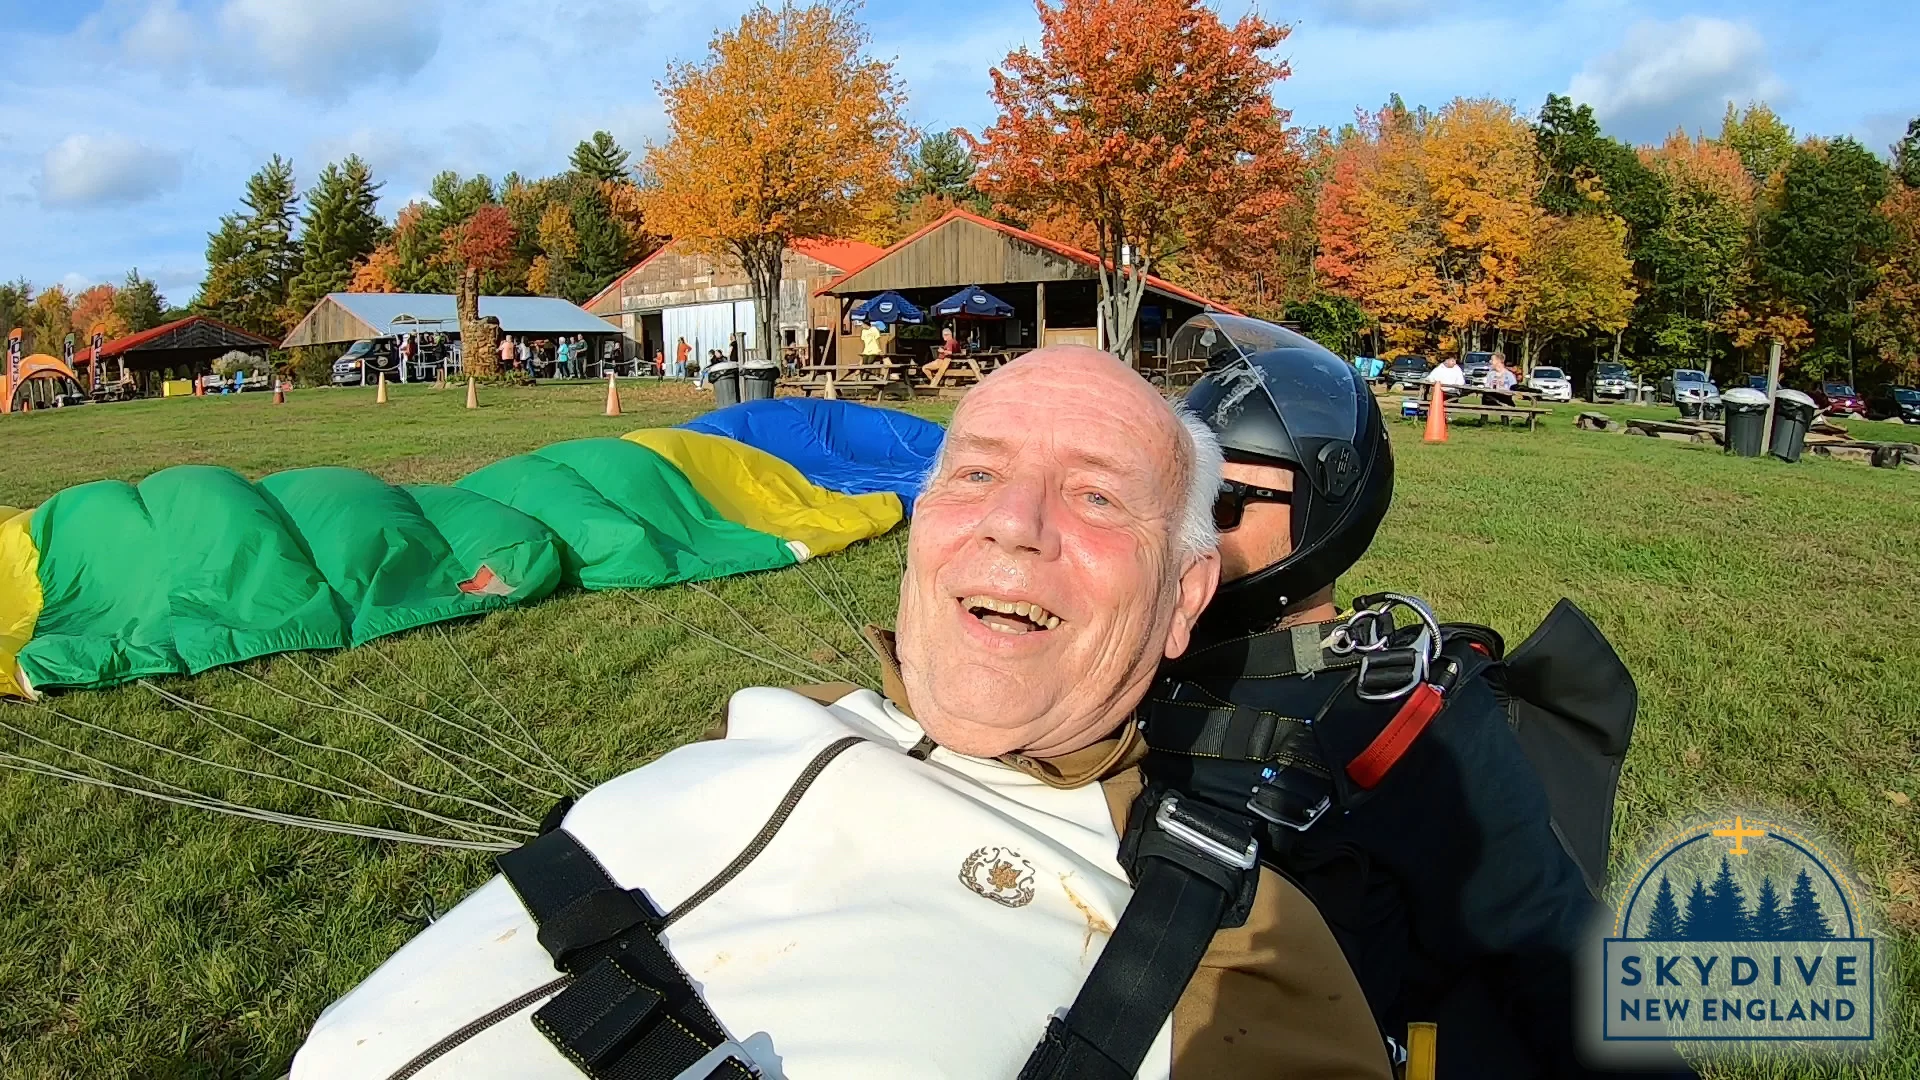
[[1551, 384]]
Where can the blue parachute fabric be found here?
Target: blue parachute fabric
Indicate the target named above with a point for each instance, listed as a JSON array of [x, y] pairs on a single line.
[[840, 445]]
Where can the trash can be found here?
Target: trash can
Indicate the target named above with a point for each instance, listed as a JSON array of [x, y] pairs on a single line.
[[757, 380], [1792, 416], [725, 377], [1746, 420], [1689, 409]]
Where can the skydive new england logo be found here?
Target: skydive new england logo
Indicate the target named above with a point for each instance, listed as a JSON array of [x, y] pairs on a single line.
[[1739, 930]]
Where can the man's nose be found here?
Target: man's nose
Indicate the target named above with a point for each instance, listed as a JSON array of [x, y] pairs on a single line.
[[1020, 519]]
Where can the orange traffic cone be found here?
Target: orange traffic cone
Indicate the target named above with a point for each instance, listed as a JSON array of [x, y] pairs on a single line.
[[473, 394], [380, 396], [279, 392], [1437, 416], [613, 397]]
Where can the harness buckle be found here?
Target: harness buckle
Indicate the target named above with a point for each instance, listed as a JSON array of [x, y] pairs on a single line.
[[1271, 802], [1197, 832]]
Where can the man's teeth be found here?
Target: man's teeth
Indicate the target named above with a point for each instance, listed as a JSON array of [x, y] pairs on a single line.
[[1032, 612]]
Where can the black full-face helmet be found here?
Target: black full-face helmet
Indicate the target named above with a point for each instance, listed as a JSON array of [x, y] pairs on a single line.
[[1276, 398]]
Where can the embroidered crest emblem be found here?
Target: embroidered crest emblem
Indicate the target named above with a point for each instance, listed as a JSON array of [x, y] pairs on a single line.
[[1000, 875]]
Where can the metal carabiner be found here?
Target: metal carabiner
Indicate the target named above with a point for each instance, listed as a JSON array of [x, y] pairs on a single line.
[[1426, 646]]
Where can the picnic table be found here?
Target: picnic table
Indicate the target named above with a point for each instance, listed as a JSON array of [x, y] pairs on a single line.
[[968, 367], [864, 379], [1507, 414]]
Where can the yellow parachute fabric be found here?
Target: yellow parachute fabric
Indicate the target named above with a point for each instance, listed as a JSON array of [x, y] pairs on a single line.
[[19, 596], [753, 488]]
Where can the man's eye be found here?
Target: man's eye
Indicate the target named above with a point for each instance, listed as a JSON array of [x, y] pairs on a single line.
[[976, 476], [1098, 499]]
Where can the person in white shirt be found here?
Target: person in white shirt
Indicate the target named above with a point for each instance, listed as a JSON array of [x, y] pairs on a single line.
[[865, 885], [1449, 373]]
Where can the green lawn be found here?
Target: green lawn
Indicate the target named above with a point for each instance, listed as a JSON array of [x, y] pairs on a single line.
[[1766, 610]]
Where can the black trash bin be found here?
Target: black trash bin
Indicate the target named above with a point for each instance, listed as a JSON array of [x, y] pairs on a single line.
[[725, 377], [758, 377], [1792, 416], [1689, 410], [1746, 420]]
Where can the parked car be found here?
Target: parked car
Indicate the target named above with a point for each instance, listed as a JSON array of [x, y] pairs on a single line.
[[1900, 403], [1838, 399], [1610, 381], [363, 361], [1551, 383], [1691, 390], [1477, 365], [1755, 382], [1407, 371]]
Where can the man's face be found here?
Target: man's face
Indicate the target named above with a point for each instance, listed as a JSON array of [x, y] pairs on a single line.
[[1265, 533], [1042, 585]]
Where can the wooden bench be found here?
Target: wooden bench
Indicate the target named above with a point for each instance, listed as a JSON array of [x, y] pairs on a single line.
[[1508, 414]]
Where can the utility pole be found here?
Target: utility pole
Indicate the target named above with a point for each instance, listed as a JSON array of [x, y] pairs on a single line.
[[1773, 388]]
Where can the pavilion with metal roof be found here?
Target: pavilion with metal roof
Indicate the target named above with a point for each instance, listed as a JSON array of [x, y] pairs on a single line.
[[340, 318]]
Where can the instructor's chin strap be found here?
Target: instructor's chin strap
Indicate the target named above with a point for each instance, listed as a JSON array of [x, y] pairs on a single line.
[[1195, 869]]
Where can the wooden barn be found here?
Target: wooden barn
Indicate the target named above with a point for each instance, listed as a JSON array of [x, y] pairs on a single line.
[[676, 294]]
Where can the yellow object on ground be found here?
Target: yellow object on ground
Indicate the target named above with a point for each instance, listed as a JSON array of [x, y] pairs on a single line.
[[177, 388], [753, 488], [19, 596]]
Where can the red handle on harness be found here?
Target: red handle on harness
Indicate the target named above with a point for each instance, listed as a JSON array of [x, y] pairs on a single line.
[[1368, 769]]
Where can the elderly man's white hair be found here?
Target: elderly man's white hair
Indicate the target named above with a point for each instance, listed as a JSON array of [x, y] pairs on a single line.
[[1194, 532]]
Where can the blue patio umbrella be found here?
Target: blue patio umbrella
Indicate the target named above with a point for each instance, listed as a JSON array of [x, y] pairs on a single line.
[[974, 302], [888, 307]]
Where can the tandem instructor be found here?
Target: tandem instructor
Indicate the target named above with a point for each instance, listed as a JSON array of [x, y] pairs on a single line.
[[921, 882]]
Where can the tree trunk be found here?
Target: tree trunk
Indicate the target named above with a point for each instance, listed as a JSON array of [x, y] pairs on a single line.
[[479, 341], [761, 259]]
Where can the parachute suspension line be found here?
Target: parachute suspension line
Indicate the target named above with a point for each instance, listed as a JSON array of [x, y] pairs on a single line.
[[849, 597], [429, 747], [580, 785], [860, 674], [384, 774], [830, 674], [189, 797], [852, 624], [424, 745], [480, 731], [728, 645], [367, 795]]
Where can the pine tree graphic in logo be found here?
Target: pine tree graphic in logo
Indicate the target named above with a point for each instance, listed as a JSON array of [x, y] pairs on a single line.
[[1757, 940]]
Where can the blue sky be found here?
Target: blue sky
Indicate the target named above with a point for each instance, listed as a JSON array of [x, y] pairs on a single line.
[[128, 126]]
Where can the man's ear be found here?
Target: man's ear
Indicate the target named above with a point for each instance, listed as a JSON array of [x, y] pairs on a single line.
[[1197, 583]]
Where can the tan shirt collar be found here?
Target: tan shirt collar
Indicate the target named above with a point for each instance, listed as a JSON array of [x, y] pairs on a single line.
[[1071, 770]]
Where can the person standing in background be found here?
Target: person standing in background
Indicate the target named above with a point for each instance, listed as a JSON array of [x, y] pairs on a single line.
[[680, 354], [507, 351]]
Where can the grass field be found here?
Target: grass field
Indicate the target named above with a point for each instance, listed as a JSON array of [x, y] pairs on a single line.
[[1766, 610]]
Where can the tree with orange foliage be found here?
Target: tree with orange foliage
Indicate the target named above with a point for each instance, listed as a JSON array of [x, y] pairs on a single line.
[[1700, 255], [1890, 316], [94, 311], [788, 130], [483, 242], [1380, 240], [1483, 173], [376, 273], [1153, 121]]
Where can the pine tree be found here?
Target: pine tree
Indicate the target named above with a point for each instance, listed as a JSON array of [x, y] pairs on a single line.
[[340, 229], [252, 257], [1697, 925], [1805, 920], [139, 303], [1664, 923], [15, 297], [1768, 922], [940, 166], [1727, 906], [603, 253], [601, 158]]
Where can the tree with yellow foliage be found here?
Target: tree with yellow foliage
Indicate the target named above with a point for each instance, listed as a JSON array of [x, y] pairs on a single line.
[[788, 130], [1576, 278]]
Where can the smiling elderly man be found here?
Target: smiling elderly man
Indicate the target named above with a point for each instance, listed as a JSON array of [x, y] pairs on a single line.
[[851, 884]]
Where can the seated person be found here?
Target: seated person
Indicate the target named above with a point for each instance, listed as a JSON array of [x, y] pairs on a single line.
[[856, 884], [1500, 380], [1449, 374]]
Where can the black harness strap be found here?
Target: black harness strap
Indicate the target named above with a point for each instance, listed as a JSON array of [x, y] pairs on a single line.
[[1196, 871], [629, 1012]]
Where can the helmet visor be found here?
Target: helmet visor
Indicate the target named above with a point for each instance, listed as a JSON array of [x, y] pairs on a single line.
[[1251, 364]]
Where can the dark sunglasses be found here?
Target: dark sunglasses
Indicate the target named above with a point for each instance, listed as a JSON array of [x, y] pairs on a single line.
[[1234, 497]]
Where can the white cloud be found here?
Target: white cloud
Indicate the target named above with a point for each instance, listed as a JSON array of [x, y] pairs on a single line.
[[327, 50], [99, 170], [1675, 74], [162, 34]]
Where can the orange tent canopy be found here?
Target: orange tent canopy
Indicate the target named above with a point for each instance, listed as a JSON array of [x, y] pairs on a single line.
[[37, 366]]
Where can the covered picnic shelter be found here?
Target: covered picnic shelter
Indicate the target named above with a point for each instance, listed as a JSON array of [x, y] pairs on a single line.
[[343, 318], [1049, 291], [180, 349]]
